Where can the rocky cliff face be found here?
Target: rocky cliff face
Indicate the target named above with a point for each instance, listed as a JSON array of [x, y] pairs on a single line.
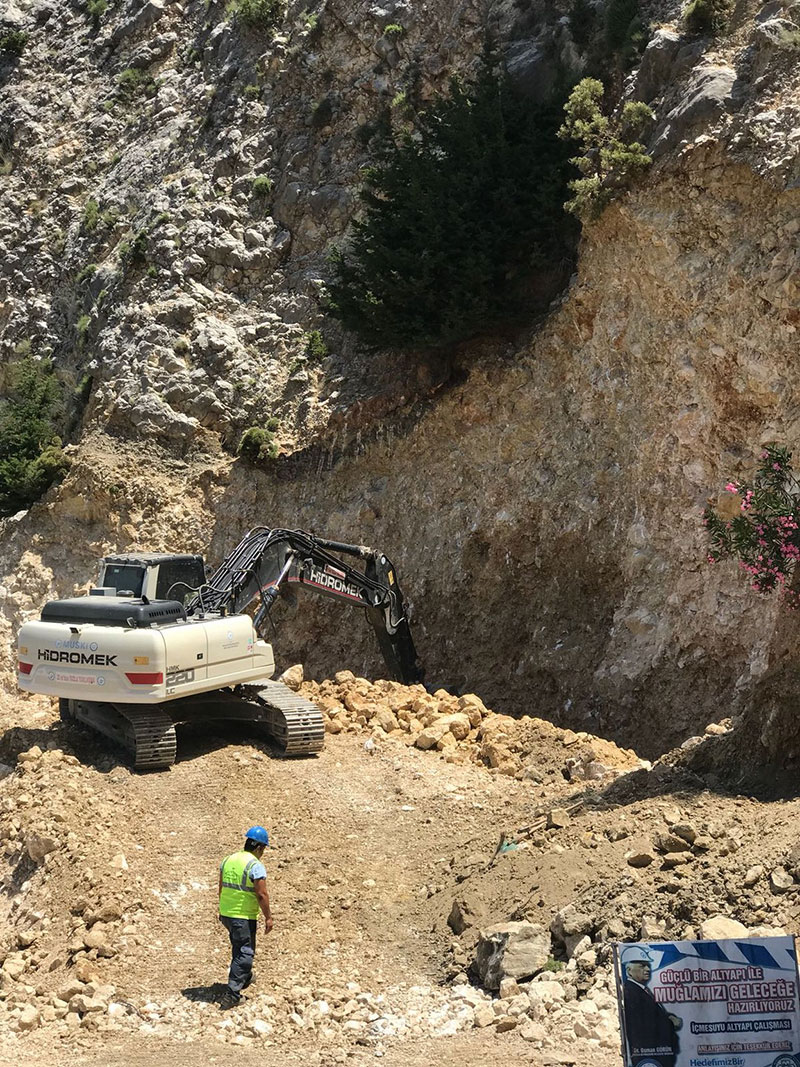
[[544, 506]]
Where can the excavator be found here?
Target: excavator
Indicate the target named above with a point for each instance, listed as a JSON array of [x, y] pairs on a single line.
[[156, 643]]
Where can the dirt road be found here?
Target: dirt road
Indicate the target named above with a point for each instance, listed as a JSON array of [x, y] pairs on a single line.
[[109, 881]]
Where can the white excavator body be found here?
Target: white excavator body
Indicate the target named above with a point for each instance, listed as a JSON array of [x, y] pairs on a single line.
[[113, 663]]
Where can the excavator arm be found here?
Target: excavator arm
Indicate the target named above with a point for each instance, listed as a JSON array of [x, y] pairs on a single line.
[[267, 561]]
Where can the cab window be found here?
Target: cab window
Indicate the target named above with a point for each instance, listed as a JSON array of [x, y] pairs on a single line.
[[178, 579], [124, 577]]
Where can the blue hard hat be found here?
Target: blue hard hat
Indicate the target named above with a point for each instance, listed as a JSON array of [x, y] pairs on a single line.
[[259, 834]]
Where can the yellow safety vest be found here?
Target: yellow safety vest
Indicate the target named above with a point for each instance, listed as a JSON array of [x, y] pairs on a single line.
[[238, 898]]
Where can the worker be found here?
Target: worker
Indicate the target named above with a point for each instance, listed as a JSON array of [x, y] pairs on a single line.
[[242, 891]]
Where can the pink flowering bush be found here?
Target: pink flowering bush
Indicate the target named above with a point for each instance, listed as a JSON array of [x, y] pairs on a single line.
[[765, 535]]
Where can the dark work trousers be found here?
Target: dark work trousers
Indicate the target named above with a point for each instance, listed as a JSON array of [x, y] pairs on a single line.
[[243, 948]]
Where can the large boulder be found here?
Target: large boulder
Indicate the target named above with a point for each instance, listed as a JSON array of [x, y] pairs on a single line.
[[570, 927], [293, 676], [721, 928], [532, 67], [510, 950], [654, 70], [467, 911], [145, 16], [40, 845], [774, 33], [712, 90]]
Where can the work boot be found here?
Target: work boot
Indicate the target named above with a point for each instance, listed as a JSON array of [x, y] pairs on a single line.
[[229, 1000]]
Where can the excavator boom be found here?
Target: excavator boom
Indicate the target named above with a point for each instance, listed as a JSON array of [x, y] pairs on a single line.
[[265, 561]]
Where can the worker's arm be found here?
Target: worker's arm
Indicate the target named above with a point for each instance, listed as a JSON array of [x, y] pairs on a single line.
[[260, 885]]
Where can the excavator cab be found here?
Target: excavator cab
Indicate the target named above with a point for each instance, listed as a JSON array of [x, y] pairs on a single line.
[[157, 576]]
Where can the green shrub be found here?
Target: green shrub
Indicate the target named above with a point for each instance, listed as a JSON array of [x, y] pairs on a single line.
[[262, 186], [393, 30], [458, 215], [703, 17], [258, 444], [315, 345], [14, 42], [95, 9], [23, 481], [263, 14], [86, 272], [582, 20], [133, 253], [134, 82], [83, 390], [129, 81], [30, 452], [91, 214], [622, 24], [553, 964], [611, 157]]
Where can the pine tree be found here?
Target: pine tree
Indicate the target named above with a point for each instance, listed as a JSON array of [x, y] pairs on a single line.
[[30, 454], [458, 214]]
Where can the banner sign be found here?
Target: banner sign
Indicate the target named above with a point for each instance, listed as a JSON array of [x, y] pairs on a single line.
[[709, 1003]]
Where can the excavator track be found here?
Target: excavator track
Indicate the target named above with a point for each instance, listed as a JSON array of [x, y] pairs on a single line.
[[148, 733], [270, 708], [295, 723], [154, 743]]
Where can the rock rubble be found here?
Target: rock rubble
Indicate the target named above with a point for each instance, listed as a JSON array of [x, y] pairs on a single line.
[[462, 729]]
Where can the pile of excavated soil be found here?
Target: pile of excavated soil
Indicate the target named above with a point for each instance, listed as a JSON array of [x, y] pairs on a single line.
[[390, 852], [463, 730]]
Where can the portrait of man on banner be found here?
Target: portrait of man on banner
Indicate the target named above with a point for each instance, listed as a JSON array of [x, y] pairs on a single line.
[[651, 1032]]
